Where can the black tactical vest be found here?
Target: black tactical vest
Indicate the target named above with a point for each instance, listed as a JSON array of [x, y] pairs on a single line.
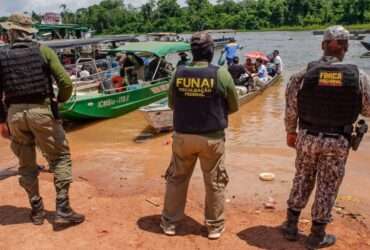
[[330, 99], [23, 74], [199, 105]]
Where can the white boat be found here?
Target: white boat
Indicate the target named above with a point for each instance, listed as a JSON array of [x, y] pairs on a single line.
[[160, 116]]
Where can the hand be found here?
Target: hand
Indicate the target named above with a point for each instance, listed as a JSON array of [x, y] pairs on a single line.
[[291, 139], [4, 130]]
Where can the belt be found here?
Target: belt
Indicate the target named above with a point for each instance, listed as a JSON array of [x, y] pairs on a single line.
[[326, 135]]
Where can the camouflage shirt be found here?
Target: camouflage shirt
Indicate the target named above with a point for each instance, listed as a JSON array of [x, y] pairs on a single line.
[[295, 84]]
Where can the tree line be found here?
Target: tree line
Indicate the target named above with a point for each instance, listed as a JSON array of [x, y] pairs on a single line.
[[113, 16]]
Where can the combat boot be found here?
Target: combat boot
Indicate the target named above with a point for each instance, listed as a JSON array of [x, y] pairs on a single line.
[[37, 213], [31, 186], [290, 226], [65, 216], [318, 238]]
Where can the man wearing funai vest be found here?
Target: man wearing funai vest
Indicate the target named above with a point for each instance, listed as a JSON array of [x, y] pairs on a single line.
[[325, 101], [28, 116], [202, 96]]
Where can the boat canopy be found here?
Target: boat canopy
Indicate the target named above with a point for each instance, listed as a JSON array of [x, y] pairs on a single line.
[[157, 48], [76, 43]]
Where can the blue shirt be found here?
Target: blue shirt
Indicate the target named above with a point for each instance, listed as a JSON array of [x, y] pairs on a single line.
[[262, 73], [231, 49]]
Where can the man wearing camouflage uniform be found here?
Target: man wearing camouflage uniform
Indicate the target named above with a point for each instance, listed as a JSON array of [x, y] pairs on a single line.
[[26, 94], [202, 96], [325, 100]]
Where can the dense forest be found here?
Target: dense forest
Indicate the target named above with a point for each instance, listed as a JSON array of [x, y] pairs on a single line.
[[113, 16]]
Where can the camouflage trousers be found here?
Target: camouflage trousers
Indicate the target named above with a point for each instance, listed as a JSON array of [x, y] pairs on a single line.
[[32, 124], [187, 149], [319, 159]]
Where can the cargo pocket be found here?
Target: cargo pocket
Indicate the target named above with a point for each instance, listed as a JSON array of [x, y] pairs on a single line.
[[222, 178], [42, 116]]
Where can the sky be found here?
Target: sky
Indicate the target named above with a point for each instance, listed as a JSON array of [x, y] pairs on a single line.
[[40, 6]]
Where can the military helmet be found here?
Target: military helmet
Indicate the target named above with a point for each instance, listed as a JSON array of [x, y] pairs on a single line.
[[201, 40]]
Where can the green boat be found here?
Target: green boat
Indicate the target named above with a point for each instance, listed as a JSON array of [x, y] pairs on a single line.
[[93, 98]]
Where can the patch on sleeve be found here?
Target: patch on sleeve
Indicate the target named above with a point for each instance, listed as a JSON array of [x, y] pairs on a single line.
[[331, 79]]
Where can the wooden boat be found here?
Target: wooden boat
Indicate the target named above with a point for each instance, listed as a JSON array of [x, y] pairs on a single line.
[[365, 55], [163, 37], [95, 97], [160, 116], [221, 41], [357, 37], [366, 45], [317, 32], [354, 32]]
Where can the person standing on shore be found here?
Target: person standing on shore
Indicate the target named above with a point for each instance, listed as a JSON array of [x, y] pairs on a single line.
[[201, 96], [27, 116], [325, 100]]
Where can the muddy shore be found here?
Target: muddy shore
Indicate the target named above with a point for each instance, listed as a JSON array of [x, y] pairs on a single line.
[[118, 184]]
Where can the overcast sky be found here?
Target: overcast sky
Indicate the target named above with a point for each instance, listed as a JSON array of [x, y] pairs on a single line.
[[41, 6]]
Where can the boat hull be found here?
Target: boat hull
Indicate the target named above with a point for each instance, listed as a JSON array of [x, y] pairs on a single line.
[[111, 105], [366, 45], [160, 116]]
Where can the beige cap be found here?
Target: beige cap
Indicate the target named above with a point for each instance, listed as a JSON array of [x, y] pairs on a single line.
[[336, 32], [18, 21], [201, 40]]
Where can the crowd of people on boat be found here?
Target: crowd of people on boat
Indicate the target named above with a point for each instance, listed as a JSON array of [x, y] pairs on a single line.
[[255, 73], [133, 69]]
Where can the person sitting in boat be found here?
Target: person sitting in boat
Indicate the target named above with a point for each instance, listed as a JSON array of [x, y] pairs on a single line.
[[276, 64], [240, 76], [261, 77], [231, 50], [184, 59], [130, 65], [236, 70], [84, 73], [249, 66]]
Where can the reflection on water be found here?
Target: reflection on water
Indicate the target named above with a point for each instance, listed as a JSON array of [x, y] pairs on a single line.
[[260, 121]]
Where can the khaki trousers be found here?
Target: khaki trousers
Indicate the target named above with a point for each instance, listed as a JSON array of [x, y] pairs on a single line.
[[187, 149], [32, 124]]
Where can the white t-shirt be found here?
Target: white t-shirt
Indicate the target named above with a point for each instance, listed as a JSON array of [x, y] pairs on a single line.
[[84, 73], [279, 64]]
